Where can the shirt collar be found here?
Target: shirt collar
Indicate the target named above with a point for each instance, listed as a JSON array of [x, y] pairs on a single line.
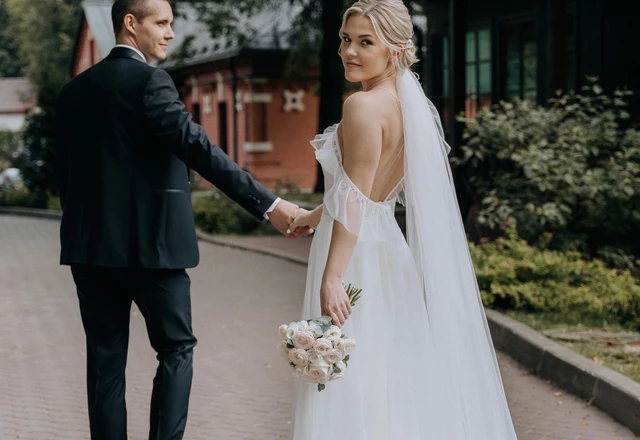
[[134, 49]]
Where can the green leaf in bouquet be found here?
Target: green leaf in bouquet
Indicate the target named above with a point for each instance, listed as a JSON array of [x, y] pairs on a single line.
[[337, 370], [290, 345], [321, 387]]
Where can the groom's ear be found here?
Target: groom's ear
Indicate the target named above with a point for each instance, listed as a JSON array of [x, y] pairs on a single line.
[[130, 22]]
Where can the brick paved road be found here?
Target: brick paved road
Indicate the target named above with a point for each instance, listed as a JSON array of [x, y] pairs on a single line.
[[240, 389]]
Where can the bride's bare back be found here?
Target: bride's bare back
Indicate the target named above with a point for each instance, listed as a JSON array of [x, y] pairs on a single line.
[[387, 125]]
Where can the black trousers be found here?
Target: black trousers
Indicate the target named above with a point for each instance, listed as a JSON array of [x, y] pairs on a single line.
[[163, 297]]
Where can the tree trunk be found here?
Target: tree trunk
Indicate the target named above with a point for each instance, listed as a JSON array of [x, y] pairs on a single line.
[[331, 73]]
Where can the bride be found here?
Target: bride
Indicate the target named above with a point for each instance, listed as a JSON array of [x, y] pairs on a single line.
[[424, 367]]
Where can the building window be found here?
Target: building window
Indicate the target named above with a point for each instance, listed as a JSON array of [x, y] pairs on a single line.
[[222, 124], [256, 106], [196, 112], [445, 66], [572, 49], [478, 71], [92, 52], [439, 78], [521, 61], [257, 122]]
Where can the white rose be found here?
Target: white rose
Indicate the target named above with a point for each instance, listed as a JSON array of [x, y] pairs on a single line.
[[334, 356], [341, 366], [298, 372], [318, 370], [322, 346], [303, 325], [283, 331], [292, 329], [299, 357], [282, 348], [315, 328], [333, 334], [347, 345], [306, 377], [303, 339]]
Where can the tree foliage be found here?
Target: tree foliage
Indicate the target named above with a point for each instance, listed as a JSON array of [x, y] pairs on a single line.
[[572, 169], [44, 32], [10, 63], [9, 145]]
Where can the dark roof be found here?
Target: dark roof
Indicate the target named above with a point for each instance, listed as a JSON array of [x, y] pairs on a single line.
[[270, 31], [98, 15], [16, 95]]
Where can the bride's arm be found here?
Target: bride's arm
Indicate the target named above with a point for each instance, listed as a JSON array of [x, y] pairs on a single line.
[[361, 148]]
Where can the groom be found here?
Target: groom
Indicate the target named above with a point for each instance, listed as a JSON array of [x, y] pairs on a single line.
[[125, 145]]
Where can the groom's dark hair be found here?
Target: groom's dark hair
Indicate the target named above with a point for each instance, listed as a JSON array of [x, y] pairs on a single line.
[[138, 8]]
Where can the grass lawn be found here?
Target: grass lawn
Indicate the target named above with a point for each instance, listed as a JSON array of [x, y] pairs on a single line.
[[607, 344]]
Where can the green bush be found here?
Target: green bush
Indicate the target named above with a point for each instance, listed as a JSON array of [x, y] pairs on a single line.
[[218, 214], [287, 187], [54, 203], [572, 169], [513, 275], [22, 198], [9, 146]]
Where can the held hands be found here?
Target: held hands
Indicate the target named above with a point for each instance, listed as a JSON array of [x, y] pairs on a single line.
[[283, 215], [334, 302], [303, 224]]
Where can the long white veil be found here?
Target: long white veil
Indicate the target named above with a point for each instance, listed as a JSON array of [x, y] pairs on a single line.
[[464, 368]]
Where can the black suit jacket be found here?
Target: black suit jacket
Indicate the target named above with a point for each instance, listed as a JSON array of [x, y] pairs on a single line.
[[125, 143]]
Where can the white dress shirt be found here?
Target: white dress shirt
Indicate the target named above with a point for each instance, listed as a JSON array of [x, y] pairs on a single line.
[[134, 49], [271, 208]]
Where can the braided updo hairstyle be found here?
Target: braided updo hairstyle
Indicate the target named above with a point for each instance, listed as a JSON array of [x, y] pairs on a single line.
[[392, 24]]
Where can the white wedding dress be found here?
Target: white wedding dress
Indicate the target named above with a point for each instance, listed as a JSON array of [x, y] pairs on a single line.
[[402, 383]]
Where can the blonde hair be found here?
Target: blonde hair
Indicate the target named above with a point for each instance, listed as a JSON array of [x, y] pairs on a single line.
[[392, 24]]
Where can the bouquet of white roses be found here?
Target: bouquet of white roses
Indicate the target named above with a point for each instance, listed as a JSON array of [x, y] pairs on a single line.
[[316, 350]]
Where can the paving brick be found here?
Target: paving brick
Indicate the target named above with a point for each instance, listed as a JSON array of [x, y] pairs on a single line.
[[240, 390]]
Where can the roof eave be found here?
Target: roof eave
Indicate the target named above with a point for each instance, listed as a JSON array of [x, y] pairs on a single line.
[[223, 56]]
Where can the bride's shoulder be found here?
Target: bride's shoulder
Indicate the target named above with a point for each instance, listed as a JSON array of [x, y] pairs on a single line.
[[359, 101], [360, 108]]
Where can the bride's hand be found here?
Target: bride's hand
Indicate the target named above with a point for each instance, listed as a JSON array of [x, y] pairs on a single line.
[[302, 225], [334, 302]]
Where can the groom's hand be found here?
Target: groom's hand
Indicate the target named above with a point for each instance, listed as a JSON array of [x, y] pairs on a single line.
[[302, 225], [282, 216]]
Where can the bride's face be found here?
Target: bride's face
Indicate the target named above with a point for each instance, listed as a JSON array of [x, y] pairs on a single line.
[[364, 56]]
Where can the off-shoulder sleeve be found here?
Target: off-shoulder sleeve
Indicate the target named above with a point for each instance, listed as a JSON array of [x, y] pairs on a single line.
[[343, 200]]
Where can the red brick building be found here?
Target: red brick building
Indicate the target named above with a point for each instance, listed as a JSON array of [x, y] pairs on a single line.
[[262, 118]]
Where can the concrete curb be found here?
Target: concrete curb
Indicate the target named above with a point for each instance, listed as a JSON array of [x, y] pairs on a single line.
[[31, 212], [613, 393], [203, 236], [608, 390]]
